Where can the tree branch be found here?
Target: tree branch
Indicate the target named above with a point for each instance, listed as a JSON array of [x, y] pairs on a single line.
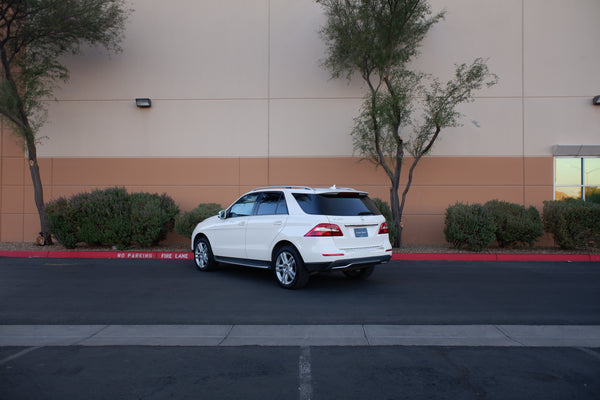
[[414, 165]]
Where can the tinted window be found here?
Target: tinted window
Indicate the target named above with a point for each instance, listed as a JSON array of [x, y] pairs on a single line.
[[243, 206], [272, 203], [343, 204]]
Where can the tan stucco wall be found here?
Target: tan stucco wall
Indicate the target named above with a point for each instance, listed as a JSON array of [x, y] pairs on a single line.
[[439, 182], [243, 79], [239, 100]]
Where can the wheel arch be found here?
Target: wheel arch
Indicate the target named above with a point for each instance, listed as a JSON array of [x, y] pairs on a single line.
[[197, 237], [281, 244]]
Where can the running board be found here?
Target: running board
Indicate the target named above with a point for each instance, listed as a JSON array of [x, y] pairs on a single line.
[[244, 262]]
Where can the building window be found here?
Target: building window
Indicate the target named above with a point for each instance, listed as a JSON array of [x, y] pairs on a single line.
[[577, 177]]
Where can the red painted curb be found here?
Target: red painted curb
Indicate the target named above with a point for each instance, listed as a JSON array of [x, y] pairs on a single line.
[[494, 257], [443, 256], [544, 257], [163, 255], [183, 255]]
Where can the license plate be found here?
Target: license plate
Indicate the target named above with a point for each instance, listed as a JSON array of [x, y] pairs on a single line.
[[361, 232]]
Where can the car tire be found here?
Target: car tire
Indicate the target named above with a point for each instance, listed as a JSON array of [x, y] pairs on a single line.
[[288, 268], [203, 255], [360, 274]]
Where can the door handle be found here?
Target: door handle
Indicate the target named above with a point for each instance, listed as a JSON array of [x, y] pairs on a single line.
[[242, 223], [278, 223]]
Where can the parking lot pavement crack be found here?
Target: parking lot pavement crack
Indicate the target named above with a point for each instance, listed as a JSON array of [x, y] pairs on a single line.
[[226, 335], [506, 335], [19, 354], [366, 335], [82, 341], [590, 352], [464, 374]]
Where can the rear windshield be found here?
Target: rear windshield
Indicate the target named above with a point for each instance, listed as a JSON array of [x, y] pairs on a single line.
[[343, 204]]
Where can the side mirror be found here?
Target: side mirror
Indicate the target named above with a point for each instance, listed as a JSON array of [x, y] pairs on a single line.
[[223, 214]]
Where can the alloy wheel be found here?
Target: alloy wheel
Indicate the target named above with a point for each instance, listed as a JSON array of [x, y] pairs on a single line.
[[201, 255], [285, 268]]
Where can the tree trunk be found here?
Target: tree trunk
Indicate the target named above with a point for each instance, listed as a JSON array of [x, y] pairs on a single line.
[[38, 191], [396, 213]]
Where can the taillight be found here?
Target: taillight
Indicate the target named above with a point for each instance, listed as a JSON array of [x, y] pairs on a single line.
[[383, 229], [325, 230]]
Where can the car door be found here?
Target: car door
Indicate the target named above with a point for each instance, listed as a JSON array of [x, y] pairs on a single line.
[[228, 239], [263, 227]]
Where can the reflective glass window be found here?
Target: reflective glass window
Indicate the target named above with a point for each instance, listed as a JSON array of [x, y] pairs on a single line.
[[577, 177], [568, 171], [592, 171], [566, 192]]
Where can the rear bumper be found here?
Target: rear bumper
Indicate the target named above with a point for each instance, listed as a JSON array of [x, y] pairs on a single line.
[[347, 264]]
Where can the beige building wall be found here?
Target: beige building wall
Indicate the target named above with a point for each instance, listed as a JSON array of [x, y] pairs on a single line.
[[239, 100]]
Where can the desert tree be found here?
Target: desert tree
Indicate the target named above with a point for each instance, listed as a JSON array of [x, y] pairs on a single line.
[[35, 35], [404, 111]]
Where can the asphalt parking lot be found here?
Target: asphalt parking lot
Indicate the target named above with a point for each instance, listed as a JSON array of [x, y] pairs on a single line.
[[253, 372], [146, 292], [120, 308]]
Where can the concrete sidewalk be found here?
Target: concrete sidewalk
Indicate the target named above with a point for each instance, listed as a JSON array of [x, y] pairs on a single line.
[[301, 335]]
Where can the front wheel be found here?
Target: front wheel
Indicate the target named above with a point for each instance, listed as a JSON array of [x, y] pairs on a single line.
[[289, 268], [360, 274], [203, 256]]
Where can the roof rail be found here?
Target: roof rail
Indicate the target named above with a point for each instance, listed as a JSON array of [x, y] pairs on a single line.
[[283, 187], [338, 188], [335, 188]]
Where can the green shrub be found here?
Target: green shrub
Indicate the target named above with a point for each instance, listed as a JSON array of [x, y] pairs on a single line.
[[186, 222], [61, 222], [111, 217], [172, 210], [152, 217], [574, 224], [385, 210], [149, 219], [103, 217], [469, 226], [514, 223]]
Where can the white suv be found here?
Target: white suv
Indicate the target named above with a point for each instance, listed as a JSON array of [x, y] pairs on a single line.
[[296, 231]]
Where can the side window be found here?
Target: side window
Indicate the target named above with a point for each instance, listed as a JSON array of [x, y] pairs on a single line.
[[272, 203], [307, 202], [282, 205], [244, 206]]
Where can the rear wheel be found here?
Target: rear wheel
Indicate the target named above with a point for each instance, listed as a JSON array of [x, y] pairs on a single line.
[[360, 274], [289, 268], [203, 256]]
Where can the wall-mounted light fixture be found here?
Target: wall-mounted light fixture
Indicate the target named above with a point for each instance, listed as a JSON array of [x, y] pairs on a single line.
[[596, 101], [143, 102]]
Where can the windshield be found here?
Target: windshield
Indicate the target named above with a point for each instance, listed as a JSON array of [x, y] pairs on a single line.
[[341, 204]]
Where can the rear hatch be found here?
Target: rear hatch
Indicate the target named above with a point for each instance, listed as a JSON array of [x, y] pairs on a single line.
[[359, 232], [354, 213]]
